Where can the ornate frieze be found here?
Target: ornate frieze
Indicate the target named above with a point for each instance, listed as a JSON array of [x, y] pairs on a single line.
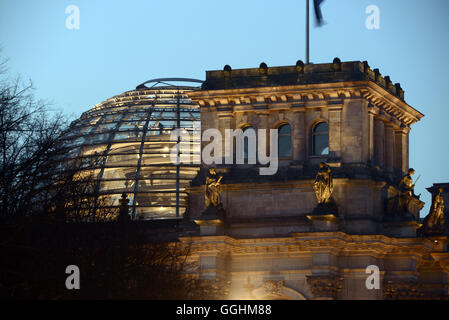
[[402, 290], [325, 286], [273, 287]]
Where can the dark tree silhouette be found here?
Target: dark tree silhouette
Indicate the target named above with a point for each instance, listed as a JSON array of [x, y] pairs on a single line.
[[46, 224]]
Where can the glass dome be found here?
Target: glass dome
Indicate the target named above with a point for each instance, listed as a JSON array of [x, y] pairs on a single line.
[[131, 132]]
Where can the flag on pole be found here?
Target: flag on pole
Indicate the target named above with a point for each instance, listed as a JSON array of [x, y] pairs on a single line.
[[318, 15]]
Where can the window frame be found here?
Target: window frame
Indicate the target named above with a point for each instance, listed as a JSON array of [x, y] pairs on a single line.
[[314, 134], [290, 156]]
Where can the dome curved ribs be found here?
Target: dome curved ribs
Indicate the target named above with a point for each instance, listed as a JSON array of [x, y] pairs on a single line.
[[131, 133]]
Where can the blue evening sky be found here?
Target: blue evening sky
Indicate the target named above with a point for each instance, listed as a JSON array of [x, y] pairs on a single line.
[[121, 44]]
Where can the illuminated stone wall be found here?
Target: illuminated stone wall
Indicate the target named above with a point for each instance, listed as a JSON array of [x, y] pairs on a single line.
[[369, 123], [270, 243]]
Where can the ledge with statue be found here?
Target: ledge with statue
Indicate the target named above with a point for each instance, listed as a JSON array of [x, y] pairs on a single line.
[[325, 215], [433, 223], [398, 218], [402, 208], [402, 211], [211, 220], [323, 218]]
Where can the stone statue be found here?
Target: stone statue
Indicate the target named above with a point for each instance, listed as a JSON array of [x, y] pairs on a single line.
[[434, 222], [213, 188], [323, 185], [406, 191], [406, 184]]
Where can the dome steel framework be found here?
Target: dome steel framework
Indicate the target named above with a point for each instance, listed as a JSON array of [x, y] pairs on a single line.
[[131, 132]]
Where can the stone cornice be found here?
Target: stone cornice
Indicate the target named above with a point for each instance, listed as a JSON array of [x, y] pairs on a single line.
[[299, 97], [308, 243], [388, 104]]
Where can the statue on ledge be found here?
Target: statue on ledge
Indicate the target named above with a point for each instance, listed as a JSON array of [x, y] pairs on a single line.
[[406, 191], [214, 209], [323, 185], [433, 223], [213, 188], [404, 204]]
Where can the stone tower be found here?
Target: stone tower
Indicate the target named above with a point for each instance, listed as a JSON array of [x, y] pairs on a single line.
[[343, 114], [270, 237]]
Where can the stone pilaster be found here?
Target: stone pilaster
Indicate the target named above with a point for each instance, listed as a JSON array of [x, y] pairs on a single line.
[[298, 138], [406, 149], [335, 147], [389, 148], [264, 123], [400, 150], [379, 138], [371, 137]]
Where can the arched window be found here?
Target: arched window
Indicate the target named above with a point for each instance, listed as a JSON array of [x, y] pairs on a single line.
[[284, 141], [320, 139]]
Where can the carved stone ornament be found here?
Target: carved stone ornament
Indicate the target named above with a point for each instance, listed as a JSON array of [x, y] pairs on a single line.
[[325, 286], [402, 290], [273, 287]]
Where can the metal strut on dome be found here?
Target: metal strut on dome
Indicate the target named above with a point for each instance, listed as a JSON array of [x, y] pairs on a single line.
[[164, 80]]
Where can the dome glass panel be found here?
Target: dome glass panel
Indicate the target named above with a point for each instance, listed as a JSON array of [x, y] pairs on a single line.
[[128, 135]]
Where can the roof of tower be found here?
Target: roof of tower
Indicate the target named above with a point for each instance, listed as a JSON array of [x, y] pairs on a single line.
[[300, 73]]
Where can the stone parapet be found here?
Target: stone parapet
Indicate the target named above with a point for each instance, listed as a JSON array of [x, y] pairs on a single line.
[[307, 74]]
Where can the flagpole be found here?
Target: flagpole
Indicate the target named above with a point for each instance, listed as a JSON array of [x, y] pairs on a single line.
[[307, 32]]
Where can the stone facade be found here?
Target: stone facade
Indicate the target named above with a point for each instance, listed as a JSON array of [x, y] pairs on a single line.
[[270, 231], [323, 265]]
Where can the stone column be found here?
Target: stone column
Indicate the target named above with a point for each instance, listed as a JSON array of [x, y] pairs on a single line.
[[371, 136], [298, 138], [264, 123], [400, 150], [379, 137], [389, 148], [335, 131], [406, 150]]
